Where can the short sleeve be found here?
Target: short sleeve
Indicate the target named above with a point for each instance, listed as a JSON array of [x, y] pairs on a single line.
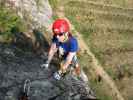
[[73, 45], [54, 39]]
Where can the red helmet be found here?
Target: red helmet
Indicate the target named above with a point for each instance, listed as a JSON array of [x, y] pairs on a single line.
[[60, 26]]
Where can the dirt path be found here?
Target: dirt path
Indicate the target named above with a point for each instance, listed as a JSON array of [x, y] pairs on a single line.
[[96, 65]]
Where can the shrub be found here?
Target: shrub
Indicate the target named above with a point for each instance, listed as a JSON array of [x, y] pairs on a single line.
[[10, 22]]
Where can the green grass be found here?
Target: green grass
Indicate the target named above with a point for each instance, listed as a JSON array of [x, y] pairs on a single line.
[[120, 3], [100, 88], [54, 4]]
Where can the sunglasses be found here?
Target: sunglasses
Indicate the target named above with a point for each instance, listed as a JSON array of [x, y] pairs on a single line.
[[60, 34]]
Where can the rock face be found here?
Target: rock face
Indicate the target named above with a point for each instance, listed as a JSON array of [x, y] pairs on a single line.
[[17, 66], [37, 12]]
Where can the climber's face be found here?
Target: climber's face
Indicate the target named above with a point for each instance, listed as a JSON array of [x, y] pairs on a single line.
[[61, 37]]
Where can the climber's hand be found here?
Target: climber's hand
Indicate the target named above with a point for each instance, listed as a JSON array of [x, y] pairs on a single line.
[[45, 65]]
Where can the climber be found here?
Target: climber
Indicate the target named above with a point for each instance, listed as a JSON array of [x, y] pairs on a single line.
[[66, 45]]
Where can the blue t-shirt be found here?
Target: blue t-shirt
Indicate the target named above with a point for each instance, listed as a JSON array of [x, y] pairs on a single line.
[[69, 46]]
